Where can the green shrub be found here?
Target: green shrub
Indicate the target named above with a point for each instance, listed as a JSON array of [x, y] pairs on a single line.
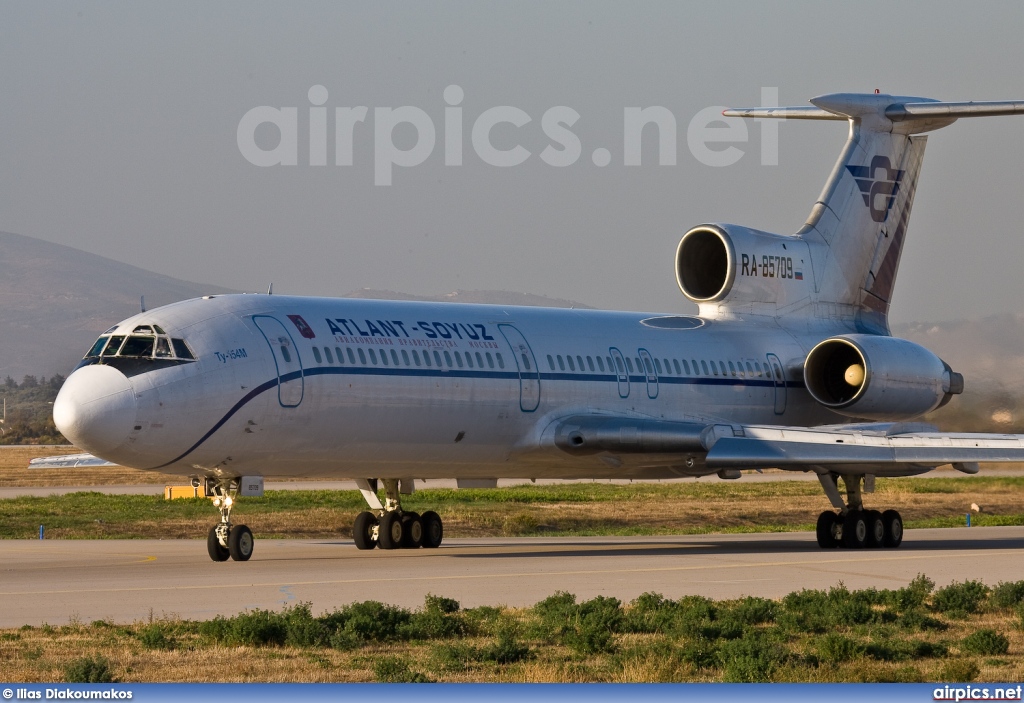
[[157, 636], [753, 658], [441, 604], [835, 649], [754, 611], [960, 599], [1008, 594], [396, 670], [373, 621], [650, 613], [595, 622], [959, 671], [89, 670], [507, 650], [482, 620], [303, 630], [918, 619], [985, 641], [700, 652], [911, 596], [257, 627]]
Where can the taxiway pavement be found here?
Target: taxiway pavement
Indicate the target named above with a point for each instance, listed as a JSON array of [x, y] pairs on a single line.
[[127, 580]]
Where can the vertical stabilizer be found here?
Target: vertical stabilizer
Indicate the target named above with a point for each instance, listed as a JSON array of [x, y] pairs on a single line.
[[858, 226]]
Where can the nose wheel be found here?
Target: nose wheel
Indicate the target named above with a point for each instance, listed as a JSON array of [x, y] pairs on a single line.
[[224, 540]]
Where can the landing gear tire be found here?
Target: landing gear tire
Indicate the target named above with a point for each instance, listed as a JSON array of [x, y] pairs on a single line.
[[362, 531], [826, 530], [390, 534], [433, 529], [217, 552], [876, 528], [240, 542], [855, 530], [412, 531], [893, 526]]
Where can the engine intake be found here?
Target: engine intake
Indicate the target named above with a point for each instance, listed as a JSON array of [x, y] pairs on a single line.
[[879, 378]]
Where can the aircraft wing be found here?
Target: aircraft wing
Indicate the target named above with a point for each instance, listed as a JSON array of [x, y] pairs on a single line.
[[859, 448], [68, 461]]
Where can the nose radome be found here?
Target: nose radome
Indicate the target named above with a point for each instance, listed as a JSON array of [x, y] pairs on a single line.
[[95, 409]]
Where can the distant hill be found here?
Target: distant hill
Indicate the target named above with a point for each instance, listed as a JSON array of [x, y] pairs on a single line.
[[56, 300]]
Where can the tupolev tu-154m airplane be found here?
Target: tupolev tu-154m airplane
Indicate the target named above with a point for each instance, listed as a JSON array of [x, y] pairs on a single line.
[[789, 364]]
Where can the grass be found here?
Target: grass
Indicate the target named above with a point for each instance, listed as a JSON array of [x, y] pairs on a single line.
[[565, 509], [808, 636]]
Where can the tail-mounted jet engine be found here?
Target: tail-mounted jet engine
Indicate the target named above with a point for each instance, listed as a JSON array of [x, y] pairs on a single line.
[[878, 378], [740, 268]]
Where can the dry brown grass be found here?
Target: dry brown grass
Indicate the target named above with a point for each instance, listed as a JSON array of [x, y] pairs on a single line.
[[14, 471]]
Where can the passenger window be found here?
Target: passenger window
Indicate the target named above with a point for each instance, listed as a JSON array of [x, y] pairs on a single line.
[[373, 356], [181, 349], [572, 366], [590, 363], [732, 368], [561, 364], [490, 361], [629, 364], [285, 354], [394, 358], [437, 358], [458, 359], [611, 364], [618, 363], [551, 362], [704, 367], [526, 362], [767, 371], [327, 353], [501, 362], [351, 356], [362, 357], [341, 359], [416, 358], [163, 348], [405, 357], [750, 370], [115, 344], [479, 361], [426, 357], [639, 365], [657, 366], [448, 359], [722, 365], [600, 364], [316, 355], [579, 362], [647, 365], [678, 371], [383, 356]]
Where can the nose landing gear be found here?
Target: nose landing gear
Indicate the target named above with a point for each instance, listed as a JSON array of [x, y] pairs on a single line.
[[390, 527], [225, 540]]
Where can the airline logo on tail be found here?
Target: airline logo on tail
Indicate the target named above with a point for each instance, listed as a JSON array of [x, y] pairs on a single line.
[[879, 193]]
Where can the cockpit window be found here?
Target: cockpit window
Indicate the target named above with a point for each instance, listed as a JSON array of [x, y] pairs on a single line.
[[137, 346], [181, 350], [147, 348], [113, 346]]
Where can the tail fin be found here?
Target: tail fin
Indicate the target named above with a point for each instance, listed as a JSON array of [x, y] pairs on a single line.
[[857, 228]]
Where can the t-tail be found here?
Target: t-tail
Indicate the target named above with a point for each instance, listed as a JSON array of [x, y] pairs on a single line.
[[842, 263]]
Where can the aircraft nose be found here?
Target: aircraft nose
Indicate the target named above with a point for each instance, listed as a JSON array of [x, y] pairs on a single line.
[[95, 409]]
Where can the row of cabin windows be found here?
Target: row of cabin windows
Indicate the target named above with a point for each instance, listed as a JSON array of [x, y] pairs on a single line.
[[408, 358], [663, 367]]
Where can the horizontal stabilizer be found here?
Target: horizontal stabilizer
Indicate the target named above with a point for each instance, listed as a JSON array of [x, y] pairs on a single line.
[[785, 113], [68, 461]]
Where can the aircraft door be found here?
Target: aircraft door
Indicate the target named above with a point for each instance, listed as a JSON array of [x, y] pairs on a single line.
[[652, 373], [529, 372], [780, 383], [620, 370], [290, 384]]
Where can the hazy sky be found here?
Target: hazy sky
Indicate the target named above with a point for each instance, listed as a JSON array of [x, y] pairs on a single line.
[[118, 135]]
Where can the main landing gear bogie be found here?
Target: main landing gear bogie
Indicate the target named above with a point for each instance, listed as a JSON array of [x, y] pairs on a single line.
[[859, 528], [389, 527]]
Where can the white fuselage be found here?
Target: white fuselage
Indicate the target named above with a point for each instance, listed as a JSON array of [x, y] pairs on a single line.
[[423, 390]]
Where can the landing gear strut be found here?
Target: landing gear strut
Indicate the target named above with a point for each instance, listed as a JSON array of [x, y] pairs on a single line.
[[224, 539], [852, 526], [390, 527]]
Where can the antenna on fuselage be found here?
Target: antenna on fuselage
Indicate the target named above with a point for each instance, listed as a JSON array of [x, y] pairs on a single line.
[[142, 303], [270, 290]]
